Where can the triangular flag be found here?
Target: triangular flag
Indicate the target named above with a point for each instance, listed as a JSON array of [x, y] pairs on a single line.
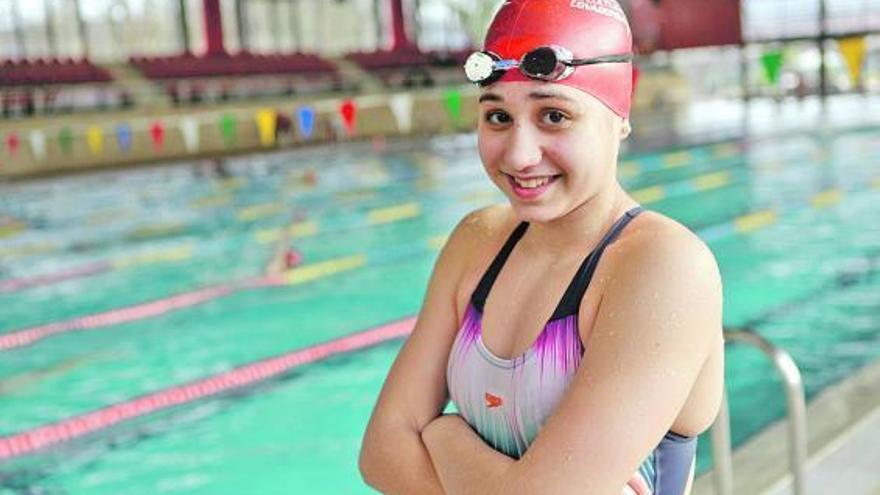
[[401, 106], [266, 124], [12, 143], [452, 99], [38, 144], [853, 51], [306, 118], [95, 140], [772, 62], [227, 129], [65, 140], [123, 136], [348, 111], [157, 132], [189, 129]]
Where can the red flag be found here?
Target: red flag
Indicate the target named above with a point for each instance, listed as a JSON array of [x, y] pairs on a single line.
[[349, 115], [157, 132], [12, 143]]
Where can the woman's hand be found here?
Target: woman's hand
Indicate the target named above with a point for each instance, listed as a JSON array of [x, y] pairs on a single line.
[[464, 462]]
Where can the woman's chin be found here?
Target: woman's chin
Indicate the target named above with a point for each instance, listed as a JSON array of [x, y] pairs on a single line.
[[533, 213]]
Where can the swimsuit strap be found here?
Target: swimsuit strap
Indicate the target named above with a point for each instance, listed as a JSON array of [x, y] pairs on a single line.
[[478, 298], [574, 293], [571, 300]]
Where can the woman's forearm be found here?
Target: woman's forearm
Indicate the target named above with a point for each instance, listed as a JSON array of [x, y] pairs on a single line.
[[399, 463], [462, 460]]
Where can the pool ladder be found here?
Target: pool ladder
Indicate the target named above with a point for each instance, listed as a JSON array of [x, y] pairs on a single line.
[[797, 417]]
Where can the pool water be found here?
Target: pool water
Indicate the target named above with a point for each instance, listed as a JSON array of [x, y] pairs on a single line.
[[807, 281]]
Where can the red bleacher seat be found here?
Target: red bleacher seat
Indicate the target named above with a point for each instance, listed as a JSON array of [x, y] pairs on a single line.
[[50, 71]]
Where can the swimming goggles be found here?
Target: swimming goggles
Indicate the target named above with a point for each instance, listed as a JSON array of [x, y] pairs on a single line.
[[546, 63]]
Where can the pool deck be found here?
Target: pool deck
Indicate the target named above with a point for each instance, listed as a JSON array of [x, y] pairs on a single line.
[[843, 445], [849, 461]]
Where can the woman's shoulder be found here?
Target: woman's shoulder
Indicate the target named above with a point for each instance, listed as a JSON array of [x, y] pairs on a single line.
[[475, 240], [654, 232], [656, 250], [484, 227]]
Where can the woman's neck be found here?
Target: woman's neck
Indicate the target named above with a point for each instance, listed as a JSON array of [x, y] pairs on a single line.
[[581, 228]]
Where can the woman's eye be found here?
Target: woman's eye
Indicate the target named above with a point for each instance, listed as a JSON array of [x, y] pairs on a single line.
[[554, 117], [498, 117]]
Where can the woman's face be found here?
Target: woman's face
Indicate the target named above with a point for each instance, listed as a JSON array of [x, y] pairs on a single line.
[[548, 147]]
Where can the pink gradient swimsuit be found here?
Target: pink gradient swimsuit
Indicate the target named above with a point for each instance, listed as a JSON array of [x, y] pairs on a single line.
[[508, 400]]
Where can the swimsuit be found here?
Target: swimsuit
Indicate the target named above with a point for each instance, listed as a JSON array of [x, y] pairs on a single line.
[[507, 400]]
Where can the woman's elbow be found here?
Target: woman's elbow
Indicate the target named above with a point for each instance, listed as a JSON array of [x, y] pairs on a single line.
[[367, 462]]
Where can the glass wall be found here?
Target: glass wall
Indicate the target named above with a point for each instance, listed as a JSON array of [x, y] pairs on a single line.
[[115, 29]]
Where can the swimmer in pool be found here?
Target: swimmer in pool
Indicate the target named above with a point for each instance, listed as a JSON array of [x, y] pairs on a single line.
[[578, 335], [285, 257]]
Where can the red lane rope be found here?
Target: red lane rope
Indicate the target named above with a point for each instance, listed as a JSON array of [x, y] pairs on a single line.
[[28, 441], [17, 284], [19, 338]]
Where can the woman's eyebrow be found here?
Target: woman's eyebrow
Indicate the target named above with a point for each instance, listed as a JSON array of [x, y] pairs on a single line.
[[490, 97], [545, 96]]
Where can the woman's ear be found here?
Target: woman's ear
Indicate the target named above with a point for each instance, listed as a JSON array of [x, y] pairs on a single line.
[[625, 129]]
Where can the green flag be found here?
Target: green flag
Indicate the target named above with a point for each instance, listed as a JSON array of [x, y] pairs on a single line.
[[772, 62], [65, 139], [453, 105], [227, 129]]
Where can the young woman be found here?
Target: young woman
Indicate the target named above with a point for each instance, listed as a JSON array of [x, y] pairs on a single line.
[[578, 335]]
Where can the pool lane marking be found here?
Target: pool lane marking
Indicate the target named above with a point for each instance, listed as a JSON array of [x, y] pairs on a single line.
[[297, 230], [157, 230], [21, 283], [19, 338], [323, 269], [393, 213], [12, 229], [176, 253], [29, 249], [827, 198], [677, 159], [173, 254], [751, 222], [259, 211], [28, 441], [212, 201]]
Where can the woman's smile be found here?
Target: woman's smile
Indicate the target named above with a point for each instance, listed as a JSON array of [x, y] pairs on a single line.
[[528, 188]]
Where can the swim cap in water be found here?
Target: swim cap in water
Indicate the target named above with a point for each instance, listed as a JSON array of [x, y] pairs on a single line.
[[588, 28]]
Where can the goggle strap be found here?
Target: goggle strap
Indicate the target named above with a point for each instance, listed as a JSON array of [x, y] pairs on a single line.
[[605, 59]]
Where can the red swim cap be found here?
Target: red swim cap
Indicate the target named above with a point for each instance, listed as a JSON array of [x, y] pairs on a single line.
[[588, 28]]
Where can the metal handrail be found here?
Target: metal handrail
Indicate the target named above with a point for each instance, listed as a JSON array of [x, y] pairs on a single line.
[[797, 417]]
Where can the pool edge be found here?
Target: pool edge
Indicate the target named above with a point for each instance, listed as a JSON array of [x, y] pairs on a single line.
[[762, 463]]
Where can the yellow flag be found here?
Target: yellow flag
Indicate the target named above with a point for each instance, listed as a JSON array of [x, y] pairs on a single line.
[[266, 126], [95, 140], [853, 51]]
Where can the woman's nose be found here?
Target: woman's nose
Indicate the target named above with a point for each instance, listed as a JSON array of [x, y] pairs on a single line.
[[523, 148]]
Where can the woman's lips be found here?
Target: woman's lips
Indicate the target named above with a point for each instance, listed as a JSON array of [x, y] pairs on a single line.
[[526, 193]]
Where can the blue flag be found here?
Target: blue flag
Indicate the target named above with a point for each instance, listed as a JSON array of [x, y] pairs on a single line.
[[123, 136], [306, 121]]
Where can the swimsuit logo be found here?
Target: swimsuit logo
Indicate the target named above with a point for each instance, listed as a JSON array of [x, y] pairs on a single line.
[[492, 400], [608, 8]]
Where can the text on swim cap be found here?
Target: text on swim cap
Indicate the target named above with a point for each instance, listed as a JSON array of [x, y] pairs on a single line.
[[608, 8]]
